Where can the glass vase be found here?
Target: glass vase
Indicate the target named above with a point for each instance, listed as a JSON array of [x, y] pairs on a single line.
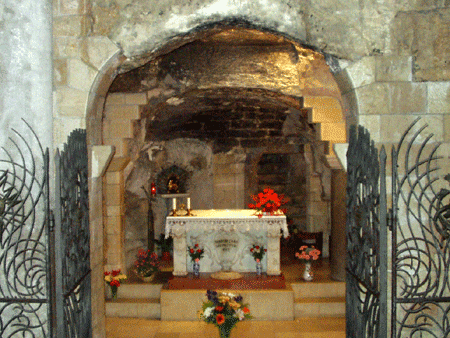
[[196, 269], [225, 331], [114, 290], [258, 268]]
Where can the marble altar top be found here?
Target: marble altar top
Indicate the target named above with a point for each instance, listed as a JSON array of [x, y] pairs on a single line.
[[223, 213], [226, 220]]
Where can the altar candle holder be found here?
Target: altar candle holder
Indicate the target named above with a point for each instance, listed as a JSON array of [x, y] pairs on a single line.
[[188, 213]]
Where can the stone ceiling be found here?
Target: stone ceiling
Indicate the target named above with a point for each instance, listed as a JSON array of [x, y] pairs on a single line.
[[231, 75]]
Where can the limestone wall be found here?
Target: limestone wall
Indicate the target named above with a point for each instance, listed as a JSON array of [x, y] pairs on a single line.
[[393, 58]]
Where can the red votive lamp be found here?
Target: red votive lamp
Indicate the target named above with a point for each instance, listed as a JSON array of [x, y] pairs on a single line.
[[153, 189]]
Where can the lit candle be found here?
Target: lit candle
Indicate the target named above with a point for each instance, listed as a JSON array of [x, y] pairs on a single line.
[[174, 204], [188, 203]]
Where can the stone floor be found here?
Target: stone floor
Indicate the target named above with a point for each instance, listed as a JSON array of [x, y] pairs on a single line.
[[325, 327], [299, 328]]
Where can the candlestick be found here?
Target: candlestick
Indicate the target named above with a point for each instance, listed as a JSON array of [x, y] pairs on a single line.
[[188, 203]]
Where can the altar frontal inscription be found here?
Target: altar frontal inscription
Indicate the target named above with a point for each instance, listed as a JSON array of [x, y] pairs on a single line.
[[226, 244]]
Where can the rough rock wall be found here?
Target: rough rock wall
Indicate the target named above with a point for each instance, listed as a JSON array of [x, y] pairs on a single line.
[[345, 29]]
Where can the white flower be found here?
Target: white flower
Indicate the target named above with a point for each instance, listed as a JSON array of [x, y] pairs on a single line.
[[240, 314], [208, 311], [231, 295]]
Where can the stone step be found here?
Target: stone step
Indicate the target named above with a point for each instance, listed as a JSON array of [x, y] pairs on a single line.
[[148, 308], [318, 289], [140, 290], [183, 305], [319, 307]]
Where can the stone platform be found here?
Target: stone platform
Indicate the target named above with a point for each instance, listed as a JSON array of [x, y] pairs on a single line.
[[249, 281]]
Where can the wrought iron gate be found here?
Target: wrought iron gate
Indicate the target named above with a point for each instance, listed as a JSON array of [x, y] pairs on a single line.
[[420, 240], [73, 280], [366, 238], [45, 269], [25, 287], [418, 227]]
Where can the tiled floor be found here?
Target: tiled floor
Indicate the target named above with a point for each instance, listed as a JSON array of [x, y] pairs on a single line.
[[298, 328]]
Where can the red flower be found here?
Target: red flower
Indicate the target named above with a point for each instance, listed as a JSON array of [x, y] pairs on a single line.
[[191, 251], [257, 247], [199, 250], [196, 246], [220, 319], [106, 273], [115, 273], [115, 282], [251, 250], [246, 310], [219, 308]]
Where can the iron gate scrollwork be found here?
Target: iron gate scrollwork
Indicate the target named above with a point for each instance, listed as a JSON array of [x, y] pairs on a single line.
[[73, 286], [366, 236], [25, 287], [420, 239]]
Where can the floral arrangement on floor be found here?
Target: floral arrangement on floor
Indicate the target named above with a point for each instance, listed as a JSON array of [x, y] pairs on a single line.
[[196, 253], [114, 278], [147, 263], [257, 252], [268, 201], [308, 253], [224, 310]]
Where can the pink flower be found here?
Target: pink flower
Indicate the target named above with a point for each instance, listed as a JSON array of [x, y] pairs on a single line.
[[257, 260], [197, 260]]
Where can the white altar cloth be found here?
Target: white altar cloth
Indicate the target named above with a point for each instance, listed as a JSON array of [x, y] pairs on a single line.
[[205, 226]]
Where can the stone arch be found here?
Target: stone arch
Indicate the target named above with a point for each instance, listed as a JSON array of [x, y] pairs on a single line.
[[325, 111]]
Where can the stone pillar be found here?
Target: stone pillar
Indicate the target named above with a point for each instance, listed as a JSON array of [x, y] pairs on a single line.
[[273, 252], [338, 219], [179, 250], [26, 71]]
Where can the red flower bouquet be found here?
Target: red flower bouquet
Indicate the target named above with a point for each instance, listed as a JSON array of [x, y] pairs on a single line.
[[113, 279], [195, 252], [268, 201]]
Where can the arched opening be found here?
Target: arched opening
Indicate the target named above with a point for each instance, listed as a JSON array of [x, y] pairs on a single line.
[[230, 98]]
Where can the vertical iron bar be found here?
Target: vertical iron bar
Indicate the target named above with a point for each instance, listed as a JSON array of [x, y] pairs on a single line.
[[383, 228], [59, 292], [394, 242]]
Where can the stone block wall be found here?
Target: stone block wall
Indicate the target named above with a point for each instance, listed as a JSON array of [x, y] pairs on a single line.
[[393, 60]]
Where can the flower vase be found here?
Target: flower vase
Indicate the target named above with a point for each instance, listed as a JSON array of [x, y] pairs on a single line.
[[258, 268], [147, 279], [196, 269], [224, 331], [308, 274], [114, 290]]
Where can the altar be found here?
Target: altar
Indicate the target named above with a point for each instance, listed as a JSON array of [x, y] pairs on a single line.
[[226, 237]]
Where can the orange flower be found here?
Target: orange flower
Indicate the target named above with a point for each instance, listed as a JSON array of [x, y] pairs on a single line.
[[220, 319], [219, 308], [246, 310]]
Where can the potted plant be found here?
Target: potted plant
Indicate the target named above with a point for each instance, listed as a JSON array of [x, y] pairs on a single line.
[[307, 254], [165, 245], [258, 253], [268, 202], [146, 265], [114, 278], [224, 310]]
